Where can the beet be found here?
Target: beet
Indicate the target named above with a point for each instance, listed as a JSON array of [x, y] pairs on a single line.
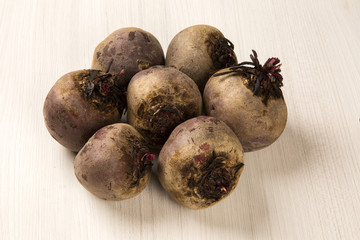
[[199, 51], [128, 50], [160, 98], [249, 100], [201, 162], [115, 164], [80, 103]]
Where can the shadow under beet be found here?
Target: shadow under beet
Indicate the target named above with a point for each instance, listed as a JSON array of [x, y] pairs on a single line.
[[292, 152]]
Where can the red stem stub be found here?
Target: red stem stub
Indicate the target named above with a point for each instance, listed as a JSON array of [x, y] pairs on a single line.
[[148, 156]]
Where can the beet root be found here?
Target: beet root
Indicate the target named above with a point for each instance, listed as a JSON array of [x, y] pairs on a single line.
[[201, 162], [160, 98], [80, 103], [199, 51], [249, 101], [128, 50], [115, 164]]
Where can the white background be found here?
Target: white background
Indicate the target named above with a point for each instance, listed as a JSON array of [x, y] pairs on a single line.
[[304, 186]]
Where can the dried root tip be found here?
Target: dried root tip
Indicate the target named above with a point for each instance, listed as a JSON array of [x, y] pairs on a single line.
[[264, 81]]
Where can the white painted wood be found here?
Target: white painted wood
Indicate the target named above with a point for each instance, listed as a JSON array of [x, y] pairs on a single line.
[[304, 186]]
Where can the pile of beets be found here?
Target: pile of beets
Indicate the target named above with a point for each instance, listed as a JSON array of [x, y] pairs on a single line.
[[198, 109]]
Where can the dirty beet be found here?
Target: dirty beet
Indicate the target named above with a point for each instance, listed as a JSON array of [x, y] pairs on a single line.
[[249, 99], [197, 167], [115, 164], [129, 50], [159, 99], [199, 51], [80, 103]]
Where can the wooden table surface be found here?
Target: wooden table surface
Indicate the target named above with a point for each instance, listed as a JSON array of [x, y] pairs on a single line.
[[304, 186]]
